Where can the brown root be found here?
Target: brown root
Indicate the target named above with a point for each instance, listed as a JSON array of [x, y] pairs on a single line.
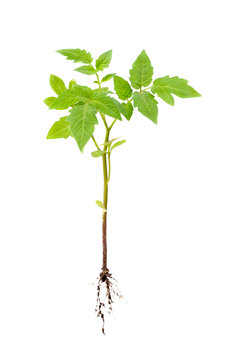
[[107, 291]]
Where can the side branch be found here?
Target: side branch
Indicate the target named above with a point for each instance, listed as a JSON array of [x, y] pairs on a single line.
[[95, 142]]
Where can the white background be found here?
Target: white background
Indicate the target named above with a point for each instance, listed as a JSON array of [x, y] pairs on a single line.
[[172, 199]]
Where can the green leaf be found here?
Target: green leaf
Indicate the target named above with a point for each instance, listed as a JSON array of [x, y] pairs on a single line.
[[72, 83], [106, 105], [120, 107], [57, 84], [166, 86], [82, 120], [127, 110], [164, 94], [86, 69], [107, 77], [146, 104], [66, 118], [122, 88], [102, 90], [141, 72], [77, 55], [49, 101], [104, 60], [109, 143], [100, 204], [70, 97], [118, 144], [98, 153], [60, 129]]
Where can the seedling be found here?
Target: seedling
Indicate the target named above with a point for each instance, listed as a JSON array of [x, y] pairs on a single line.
[[99, 106]]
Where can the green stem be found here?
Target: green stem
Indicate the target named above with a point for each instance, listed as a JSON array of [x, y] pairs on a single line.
[[105, 200], [105, 188], [95, 142], [106, 161], [112, 124], [147, 88], [109, 166], [104, 120], [99, 82]]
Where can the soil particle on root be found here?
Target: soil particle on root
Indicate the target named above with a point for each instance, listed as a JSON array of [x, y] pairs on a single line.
[[107, 292]]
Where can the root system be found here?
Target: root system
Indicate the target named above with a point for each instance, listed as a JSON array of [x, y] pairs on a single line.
[[107, 292]]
